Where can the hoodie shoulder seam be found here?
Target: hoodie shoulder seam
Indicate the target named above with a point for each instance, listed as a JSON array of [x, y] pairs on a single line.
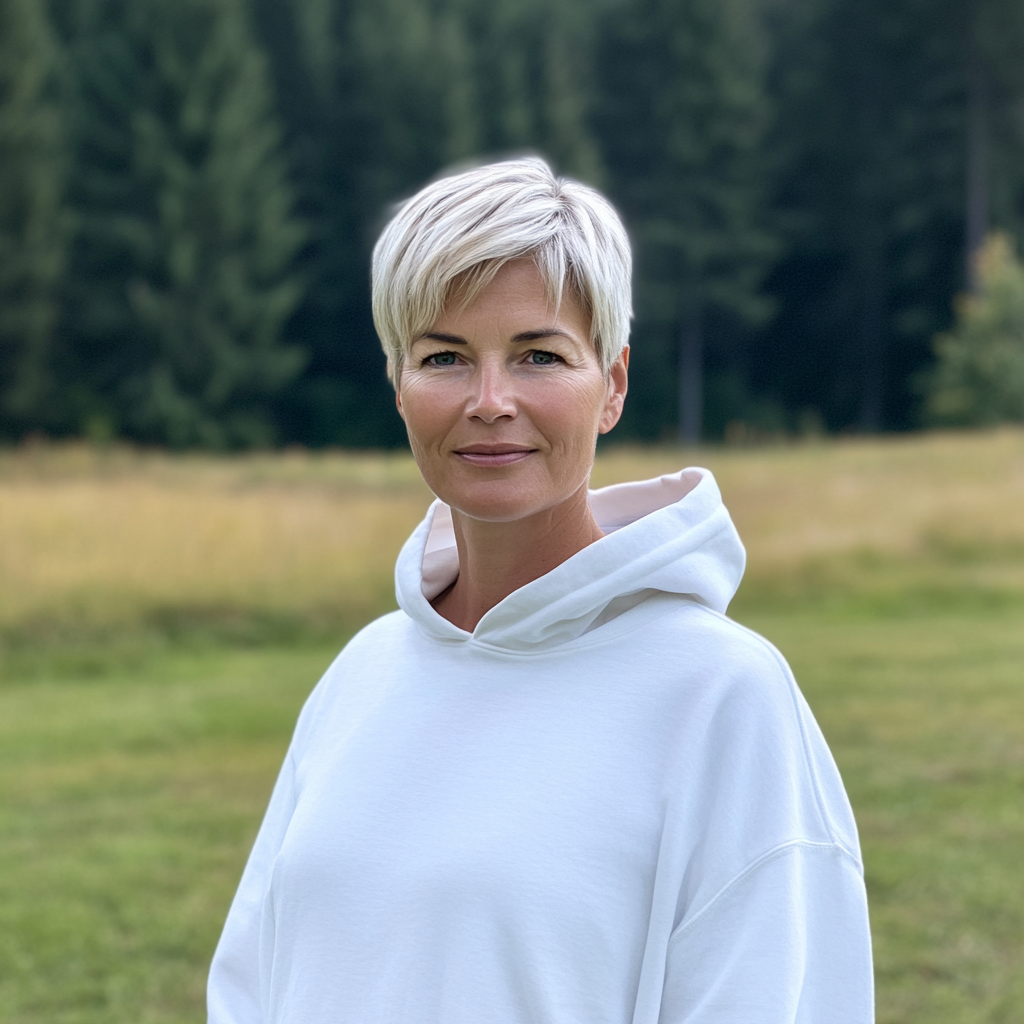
[[781, 850], [793, 689]]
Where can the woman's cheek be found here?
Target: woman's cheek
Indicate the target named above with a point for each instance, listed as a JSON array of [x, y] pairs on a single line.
[[570, 408], [425, 405]]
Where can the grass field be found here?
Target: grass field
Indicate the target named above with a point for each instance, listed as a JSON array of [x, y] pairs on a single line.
[[162, 619]]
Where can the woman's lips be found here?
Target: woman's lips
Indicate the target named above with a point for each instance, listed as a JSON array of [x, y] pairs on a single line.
[[495, 457]]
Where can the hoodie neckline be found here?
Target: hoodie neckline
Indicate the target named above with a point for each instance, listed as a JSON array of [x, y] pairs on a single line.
[[670, 534]]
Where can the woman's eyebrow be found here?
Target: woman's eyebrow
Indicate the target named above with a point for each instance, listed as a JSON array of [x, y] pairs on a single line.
[[544, 332], [451, 339]]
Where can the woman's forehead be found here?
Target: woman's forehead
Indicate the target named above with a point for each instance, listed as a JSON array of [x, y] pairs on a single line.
[[517, 297]]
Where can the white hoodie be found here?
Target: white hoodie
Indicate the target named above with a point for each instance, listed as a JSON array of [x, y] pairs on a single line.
[[609, 804]]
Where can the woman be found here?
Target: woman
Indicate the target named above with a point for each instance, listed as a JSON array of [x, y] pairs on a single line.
[[558, 786]]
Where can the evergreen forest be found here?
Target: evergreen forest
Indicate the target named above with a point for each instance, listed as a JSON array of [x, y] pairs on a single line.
[[189, 191]]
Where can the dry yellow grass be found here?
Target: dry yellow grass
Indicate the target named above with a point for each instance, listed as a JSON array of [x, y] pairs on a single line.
[[927, 511], [897, 495], [107, 538]]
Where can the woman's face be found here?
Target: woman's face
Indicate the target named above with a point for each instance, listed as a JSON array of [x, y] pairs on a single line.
[[503, 400]]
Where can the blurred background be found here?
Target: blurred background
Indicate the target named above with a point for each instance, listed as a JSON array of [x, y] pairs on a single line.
[[204, 483], [189, 190]]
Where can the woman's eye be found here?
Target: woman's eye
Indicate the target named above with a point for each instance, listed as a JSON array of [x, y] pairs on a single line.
[[543, 358], [442, 359]]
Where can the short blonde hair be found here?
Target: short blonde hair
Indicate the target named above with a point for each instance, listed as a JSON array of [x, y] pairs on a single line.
[[458, 231]]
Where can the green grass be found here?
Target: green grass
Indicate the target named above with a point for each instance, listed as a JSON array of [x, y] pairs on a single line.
[[131, 794], [129, 801], [925, 716]]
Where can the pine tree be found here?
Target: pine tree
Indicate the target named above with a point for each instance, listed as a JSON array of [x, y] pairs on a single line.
[[685, 125], [534, 72], [458, 78], [185, 259], [989, 39], [870, 135], [343, 396], [33, 217], [978, 377], [899, 131]]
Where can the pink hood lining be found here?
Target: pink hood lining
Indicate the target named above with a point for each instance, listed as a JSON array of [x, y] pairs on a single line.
[[671, 534]]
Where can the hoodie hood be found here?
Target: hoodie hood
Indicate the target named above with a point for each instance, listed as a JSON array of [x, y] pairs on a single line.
[[668, 535]]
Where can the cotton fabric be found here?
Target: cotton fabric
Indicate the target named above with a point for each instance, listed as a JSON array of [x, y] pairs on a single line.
[[608, 804]]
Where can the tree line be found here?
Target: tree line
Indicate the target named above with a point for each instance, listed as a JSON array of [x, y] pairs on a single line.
[[189, 190]]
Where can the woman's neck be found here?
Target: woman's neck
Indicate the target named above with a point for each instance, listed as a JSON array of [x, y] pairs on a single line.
[[497, 558]]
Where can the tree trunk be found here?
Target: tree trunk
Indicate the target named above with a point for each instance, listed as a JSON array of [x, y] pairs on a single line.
[[872, 329], [870, 226], [976, 226], [691, 380]]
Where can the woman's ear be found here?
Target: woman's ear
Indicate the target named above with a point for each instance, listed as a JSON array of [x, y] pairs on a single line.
[[618, 384]]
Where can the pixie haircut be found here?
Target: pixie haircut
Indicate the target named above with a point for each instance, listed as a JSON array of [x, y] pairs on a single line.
[[451, 238]]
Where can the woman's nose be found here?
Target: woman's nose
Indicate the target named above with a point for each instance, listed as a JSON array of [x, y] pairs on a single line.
[[492, 397]]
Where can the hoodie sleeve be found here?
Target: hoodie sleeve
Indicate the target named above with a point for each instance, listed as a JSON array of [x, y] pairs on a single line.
[[233, 989], [786, 942]]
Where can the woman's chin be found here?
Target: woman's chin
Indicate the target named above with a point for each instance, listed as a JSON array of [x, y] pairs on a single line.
[[499, 501], [496, 510]]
